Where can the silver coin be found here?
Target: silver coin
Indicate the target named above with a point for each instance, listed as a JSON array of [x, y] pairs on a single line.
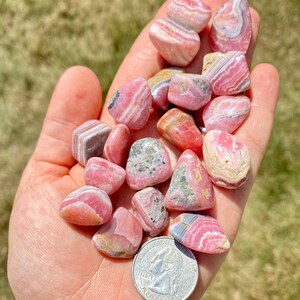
[[163, 269]]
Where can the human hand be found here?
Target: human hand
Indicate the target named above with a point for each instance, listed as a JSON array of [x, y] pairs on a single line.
[[50, 259]]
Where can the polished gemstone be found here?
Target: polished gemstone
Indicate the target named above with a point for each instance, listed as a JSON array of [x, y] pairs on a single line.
[[132, 103], [190, 188], [88, 140], [226, 158], [121, 236], [176, 44], [150, 210], [86, 206], [148, 164]]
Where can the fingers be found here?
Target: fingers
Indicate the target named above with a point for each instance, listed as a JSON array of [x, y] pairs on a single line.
[[76, 98]]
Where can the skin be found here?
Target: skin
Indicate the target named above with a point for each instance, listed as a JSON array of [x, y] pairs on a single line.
[[50, 259]]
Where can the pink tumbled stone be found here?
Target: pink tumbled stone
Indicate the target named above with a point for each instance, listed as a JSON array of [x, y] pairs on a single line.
[[199, 233], [132, 103], [148, 164], [226, 113], [229, 73], [104, 175], [226, 158], [190, 188], [189, 91], [176, 44], [88, 140], [86, 206], [150, 210], [159, 85], [118, 144], [121, 236], [231, 28], [193, 14]]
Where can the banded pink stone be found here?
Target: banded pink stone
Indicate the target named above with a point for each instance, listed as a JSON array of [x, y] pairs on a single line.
[[148, 164], [88, 140], [86, 206], [132, 103], [118, 144], [150, 210], [159, 85], [176, 44], [104, 175], [226, 158], [189, 91], [231, 28], [229, 73], [226, 113], [193, 14], [190, 188], [121, 236], [199, 233]]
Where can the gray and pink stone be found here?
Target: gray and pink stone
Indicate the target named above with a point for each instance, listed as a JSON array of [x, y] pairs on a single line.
[[132, 103], [199, 233], [192, 14], [148, 164], [149, 208], [121, 236], [88, 140], [104, 175], [175, 43], [226, 113], [189, 91], [118, 144], [226, 158], [228, 73], [86, 206], [231, 28], [190, 188]]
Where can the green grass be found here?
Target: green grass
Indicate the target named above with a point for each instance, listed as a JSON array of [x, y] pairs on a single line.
[[40, 39]]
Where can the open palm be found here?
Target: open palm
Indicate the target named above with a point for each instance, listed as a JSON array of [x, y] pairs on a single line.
[[50, 259]]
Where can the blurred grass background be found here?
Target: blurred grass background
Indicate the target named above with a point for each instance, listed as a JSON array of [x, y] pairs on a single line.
[[40, 39]]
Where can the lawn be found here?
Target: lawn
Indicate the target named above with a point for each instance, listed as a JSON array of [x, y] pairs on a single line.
[[40, 39]]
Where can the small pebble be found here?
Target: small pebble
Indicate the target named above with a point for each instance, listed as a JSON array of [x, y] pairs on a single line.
[[121, 236], [150, 210], [104, 175], [86, 206], [176, 44], [190, 188], [189, 91], [88, 140], [199, 233], [132, 103]]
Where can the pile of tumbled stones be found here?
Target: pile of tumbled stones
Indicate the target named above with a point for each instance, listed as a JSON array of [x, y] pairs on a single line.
[[198, 115]]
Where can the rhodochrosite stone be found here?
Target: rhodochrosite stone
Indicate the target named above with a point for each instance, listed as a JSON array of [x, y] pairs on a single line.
[[121, 236], [132, 103], [190, 188], [88, 140], [148, 164], [231, 27], [226, 159], [193, 14], [104, 175], [118, 144], [228, 74], [176, 44], [199, 233], [190, 91], [86, 206], [226, 113], [179, 128], [159, 85], [150, 210]]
